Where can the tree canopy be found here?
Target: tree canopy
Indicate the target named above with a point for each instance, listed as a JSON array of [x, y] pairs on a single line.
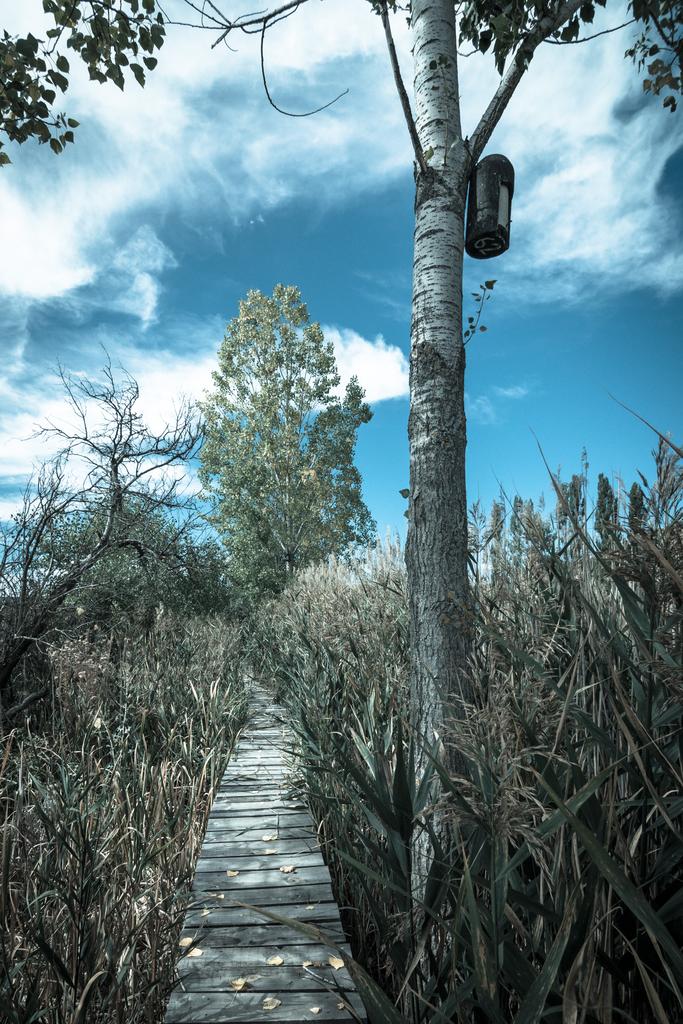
[[277, 459]]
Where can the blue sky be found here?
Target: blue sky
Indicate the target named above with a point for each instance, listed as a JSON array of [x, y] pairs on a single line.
[[177, 199]]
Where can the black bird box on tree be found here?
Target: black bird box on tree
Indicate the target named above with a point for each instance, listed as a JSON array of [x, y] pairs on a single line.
[[488, 207]]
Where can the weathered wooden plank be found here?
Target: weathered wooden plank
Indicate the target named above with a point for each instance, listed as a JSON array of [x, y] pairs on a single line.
[[255, 808], [285, 817], [267, 790], [224, 825], [307, 894], [246, 880], [253, 780], [259, 811], [248, 1008], [286, 978], [263, 799], [274, 861], [256, 772], [210, 935], [255, 758], [224, 914], [260, 782], [254, 848]]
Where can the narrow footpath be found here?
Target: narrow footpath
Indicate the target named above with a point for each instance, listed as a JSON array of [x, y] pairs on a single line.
[[260, 848]]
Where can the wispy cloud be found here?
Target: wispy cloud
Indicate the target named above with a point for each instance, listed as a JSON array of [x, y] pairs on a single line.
[[515, 392], [140, 262], [484, 410], [480, 410]]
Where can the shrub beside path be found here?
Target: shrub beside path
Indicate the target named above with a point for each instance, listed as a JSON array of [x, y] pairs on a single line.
[[260, 849]]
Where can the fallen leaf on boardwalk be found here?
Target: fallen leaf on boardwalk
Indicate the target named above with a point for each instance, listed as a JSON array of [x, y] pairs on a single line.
[[270, 851], [341, 1006], [239, 984], [275, 961], [185, 942], [311, 906], [271, 1004], [287, 869], [205, 913], [232, 874], [336, 962], [315, 1009], [195, 952], [270, 838], [307, 963]]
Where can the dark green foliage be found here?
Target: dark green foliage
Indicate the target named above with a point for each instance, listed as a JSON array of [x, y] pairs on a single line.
[[112, 37], [155, 565], [659, 47]]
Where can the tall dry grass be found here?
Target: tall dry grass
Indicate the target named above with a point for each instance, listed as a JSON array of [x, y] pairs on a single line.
[[556, 883], [103, 801]]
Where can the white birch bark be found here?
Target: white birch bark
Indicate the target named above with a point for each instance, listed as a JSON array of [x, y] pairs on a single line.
[[436, 553]]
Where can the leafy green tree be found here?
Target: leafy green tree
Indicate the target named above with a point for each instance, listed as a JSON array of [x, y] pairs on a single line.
[[278, 454]]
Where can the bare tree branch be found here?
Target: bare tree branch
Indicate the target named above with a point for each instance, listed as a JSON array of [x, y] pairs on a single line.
[[123, 479], [32, 698], [403, 95], [585, 39], [255, 20], [288, 113]]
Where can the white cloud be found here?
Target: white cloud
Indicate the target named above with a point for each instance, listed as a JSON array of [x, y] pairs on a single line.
[[480, 410], [139, 263], [382, 369], [515, 392]]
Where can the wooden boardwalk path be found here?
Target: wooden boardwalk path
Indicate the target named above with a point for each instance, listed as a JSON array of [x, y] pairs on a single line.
[[260, 849]]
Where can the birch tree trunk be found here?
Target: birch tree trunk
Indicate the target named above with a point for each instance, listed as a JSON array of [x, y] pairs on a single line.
[[436, 551]]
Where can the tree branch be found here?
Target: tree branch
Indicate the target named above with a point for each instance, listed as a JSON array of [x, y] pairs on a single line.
[[288, 113], [256, 21], [32, 698], [513, 75], [585, 39], [403, 95]]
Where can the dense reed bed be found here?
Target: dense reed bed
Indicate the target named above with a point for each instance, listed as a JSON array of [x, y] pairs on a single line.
[[556, 883], [103, 801]]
